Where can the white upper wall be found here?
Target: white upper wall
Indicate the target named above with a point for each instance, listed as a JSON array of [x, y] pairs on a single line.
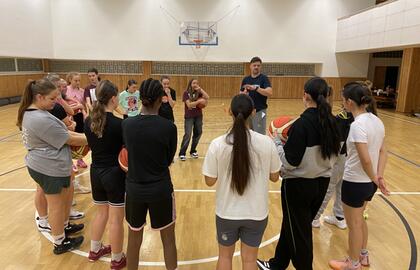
[[25, 28], [394, 24], [301, 31]]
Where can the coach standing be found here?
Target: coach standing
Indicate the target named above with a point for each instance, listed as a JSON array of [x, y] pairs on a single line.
[[258, 87]]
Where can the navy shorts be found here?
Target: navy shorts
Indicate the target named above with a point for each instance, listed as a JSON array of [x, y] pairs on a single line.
[[356, 194]]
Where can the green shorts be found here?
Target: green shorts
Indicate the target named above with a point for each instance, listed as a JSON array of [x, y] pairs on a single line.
[[50, 184]]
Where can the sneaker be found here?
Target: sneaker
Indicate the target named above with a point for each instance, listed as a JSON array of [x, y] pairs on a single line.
[[334, 221], [81, 164], [74, 168], [364, 260], [120, 264], [74, 214], [73, 228], [103, 251], [345, 264], [194, 155], [182, 158], [263, 265], [68, 245], [45, 227], [79, 189], [316, 223]]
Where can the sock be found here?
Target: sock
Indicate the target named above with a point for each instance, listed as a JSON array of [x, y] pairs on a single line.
[[116, 256], [339, 218], [355, 263], [364, 252], [58, 239], [43, 221], [95, 246]]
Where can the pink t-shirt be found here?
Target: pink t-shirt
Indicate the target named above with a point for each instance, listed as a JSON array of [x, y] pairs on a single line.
[[77, 94]]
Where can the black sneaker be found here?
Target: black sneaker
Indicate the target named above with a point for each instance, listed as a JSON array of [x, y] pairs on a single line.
[[263, 265], [68, 245], [73, 228]]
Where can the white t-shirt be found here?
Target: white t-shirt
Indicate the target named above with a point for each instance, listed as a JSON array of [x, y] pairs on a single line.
[[253, 204], [366, 128]]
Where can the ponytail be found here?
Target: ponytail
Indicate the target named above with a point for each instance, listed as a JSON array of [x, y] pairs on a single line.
[[318, 89], [41, 87], [104, 92], [241, 107], [361, 95]]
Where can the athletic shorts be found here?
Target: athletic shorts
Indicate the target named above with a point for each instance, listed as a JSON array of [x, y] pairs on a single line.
[[50, 184], [249, 231], [162, 213], [108, 185], [356, 194]]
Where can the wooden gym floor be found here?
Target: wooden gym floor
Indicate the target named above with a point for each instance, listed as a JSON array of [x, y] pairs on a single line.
[[393, 222]]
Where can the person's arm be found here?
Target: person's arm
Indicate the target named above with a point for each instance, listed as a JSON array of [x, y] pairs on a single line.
[[268, 91], [71, 125], [76, 139], [171, 101], [191, 104], [291, 154], [66, 106], [363, 152], [264, 89], [172, 145], [88, 103], [383, 158], [210, 165], [204, 94], [275, 164]]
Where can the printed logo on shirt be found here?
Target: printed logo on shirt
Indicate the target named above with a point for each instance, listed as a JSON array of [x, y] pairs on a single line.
[[132, 104]]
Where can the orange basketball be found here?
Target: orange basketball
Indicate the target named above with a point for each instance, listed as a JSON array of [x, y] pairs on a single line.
[[202, 104], [123, 159], [281, 126], [79, 152]]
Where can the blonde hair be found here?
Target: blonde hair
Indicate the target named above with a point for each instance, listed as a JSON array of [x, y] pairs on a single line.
[[71, 75]]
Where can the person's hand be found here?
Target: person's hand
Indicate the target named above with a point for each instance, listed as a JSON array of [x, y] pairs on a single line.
[[380, 182], [72, 126], [167, 91]]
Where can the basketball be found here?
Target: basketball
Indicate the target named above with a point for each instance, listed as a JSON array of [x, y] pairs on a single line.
[[79, 152], [281, 126], [123, 159], [202, 104]]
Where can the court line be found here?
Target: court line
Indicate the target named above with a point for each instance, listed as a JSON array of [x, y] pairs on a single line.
[[8, 136], [402, 119], [413, 244], [403, 158]]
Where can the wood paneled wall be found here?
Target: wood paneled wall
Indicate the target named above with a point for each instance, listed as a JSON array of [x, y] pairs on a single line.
[[216, 86], [13, 85], [409, 90]]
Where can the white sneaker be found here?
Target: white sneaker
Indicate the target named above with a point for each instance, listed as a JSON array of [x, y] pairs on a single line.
[[334, 221], [74, 214], [194, 155], [316, 223], [79, 189], [43, 226], [182, 158]]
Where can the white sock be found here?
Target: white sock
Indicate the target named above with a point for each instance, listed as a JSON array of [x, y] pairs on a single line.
[[58, 239], [355, 263], [95, 246], [364, 252], [116, 256], [43, 221]]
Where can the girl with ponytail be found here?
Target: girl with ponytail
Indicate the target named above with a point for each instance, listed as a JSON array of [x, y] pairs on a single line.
[[151, 144], [363, 171], [241, 162], [49, 160], [307, 159], [104, 134]]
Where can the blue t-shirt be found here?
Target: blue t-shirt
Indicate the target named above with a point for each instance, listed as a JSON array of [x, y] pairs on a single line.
[[260, 101]]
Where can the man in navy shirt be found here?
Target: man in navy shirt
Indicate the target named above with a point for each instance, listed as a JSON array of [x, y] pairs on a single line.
[[258, 87]]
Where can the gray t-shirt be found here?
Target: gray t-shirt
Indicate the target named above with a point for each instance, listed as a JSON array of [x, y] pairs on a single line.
[[45, 137]]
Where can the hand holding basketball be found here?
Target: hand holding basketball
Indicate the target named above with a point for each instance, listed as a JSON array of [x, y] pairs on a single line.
[[201, 103]]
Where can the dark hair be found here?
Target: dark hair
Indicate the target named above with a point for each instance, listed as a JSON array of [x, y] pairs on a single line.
[[104, 92], [164, 77], [93, 70], [318, 89], [130, 83], [361, 95], [193, 95], [255, 59], [238, 136], [41, 87], [151, 91]]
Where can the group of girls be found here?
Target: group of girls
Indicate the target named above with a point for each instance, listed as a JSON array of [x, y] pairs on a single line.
[[239, 162]]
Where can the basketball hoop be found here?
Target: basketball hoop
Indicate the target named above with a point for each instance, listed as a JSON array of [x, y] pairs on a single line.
[[198, 43]]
